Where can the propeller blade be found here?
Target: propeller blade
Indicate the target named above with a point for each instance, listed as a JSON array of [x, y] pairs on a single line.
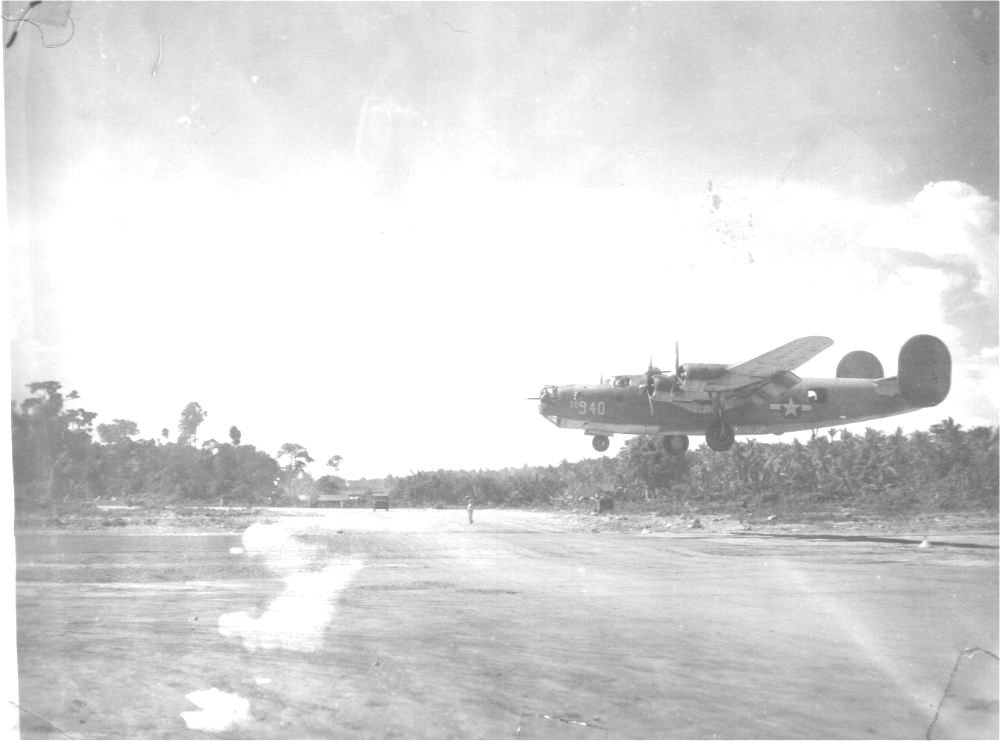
[[678, 380], [650, 372]]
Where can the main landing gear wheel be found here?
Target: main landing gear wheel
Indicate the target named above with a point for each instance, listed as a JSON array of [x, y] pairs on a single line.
[[676, 444], [601, 443], [720, 436]]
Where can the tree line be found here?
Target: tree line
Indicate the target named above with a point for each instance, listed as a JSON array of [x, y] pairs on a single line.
[[944, 468], [57, 459]]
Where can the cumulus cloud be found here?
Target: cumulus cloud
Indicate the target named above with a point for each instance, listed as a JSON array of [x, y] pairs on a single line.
[[951, 229], [928, 264]]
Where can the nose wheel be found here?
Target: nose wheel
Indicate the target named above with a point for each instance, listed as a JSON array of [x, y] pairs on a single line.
[[601, 443], [720, 436]]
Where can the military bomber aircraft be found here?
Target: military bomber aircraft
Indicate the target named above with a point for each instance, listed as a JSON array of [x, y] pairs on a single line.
[[754, 397]]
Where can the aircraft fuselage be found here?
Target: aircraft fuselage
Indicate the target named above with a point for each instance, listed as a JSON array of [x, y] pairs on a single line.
[[809, 404]]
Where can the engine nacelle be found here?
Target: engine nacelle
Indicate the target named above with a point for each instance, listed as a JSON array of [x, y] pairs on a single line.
[[924, 370], [860, 364], [702, 371]]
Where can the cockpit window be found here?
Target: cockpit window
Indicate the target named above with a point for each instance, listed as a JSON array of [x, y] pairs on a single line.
[[816, 395], [621, 382]]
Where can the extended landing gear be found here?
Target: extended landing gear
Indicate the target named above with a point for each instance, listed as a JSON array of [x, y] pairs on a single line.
[[720, 436], [601, 443], [675, 444]]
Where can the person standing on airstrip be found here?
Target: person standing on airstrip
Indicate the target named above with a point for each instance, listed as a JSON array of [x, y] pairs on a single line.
[[468, 508]]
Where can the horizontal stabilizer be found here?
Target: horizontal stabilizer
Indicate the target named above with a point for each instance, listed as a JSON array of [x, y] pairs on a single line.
[[887, 386], [860, 364]]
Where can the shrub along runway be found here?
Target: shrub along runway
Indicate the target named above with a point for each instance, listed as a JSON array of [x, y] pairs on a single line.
[[416, 624]]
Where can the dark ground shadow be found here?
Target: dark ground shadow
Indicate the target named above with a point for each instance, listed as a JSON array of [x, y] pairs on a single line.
[[865, 539]]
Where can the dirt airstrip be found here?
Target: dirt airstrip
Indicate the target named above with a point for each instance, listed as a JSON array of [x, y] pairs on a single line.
[[224, 623]]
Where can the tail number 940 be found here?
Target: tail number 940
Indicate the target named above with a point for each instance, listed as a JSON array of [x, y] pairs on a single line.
[[594, 407]]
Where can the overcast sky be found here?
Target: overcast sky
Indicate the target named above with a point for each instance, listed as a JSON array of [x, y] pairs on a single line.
[[374, 229]]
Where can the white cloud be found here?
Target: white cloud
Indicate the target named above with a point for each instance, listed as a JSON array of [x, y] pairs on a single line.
[[948, 229]]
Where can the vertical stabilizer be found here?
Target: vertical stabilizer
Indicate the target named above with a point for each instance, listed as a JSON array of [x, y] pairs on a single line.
[[924, 370]]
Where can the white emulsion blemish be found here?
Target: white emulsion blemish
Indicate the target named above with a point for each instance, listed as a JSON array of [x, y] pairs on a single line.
[[219, 711], [297, 618]]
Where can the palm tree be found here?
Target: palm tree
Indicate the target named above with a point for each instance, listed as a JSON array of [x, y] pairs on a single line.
[[950, 437]]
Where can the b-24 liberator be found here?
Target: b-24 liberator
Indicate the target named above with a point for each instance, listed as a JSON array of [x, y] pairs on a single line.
[[755, 397]]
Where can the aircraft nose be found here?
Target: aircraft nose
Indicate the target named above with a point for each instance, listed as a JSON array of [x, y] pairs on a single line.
[[547, 397]]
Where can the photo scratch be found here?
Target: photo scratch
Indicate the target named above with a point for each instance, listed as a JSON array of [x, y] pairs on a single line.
[[159, 56]]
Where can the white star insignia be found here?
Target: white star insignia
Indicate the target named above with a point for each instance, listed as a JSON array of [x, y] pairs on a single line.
[[791, 408]]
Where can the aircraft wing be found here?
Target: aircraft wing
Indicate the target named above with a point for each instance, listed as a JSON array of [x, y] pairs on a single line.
[[785, 358], [774, 366]]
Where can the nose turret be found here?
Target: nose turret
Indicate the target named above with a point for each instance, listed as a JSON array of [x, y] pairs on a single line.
[[547, 397]]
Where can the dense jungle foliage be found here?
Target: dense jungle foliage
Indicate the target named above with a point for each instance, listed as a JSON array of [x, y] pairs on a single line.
[[57, 460]]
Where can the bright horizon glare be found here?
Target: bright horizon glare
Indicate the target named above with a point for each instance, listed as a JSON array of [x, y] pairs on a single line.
[[349, 226]]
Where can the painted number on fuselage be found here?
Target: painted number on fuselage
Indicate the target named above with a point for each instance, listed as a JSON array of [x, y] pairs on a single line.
[[594, 407]]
